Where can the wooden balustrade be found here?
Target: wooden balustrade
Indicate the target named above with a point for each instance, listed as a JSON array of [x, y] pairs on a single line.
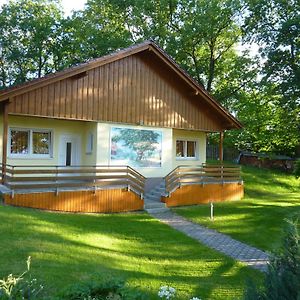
[[79, 177], [202, 174]]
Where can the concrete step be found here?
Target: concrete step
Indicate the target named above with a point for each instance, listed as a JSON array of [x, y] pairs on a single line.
[[152, 195], [154, 206], [157, 210], [156, 200], [156, 192]]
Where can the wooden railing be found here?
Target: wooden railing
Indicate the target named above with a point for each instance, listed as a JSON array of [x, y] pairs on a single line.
[[201, 174], [60, 178]]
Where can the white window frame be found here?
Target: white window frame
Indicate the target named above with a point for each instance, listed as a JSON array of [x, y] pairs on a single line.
[[185, 157], [30, 153], [90, 143]]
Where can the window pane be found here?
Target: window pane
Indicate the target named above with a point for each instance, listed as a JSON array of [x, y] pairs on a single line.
[[19, 142], [41, 142], [179, 148], [191, 149]]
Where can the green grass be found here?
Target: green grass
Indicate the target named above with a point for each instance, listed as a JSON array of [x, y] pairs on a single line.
[[68, 248], [258, 219]]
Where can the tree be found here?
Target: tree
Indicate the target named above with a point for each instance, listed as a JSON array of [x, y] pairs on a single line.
[[275, 26], [93, 32], [28, 40]]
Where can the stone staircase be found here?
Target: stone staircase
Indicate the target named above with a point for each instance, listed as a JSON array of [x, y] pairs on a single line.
[[152, 198]]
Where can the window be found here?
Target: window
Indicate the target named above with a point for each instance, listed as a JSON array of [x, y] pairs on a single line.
[[19, 142], [30, 142], [186, 149]]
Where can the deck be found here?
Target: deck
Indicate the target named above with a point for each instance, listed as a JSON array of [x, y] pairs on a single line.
[[114, 188]]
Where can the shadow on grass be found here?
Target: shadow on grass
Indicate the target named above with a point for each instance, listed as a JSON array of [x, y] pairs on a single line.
[[258, 224], [67, 248]]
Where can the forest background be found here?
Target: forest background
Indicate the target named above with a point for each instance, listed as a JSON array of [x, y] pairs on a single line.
[[208, 39]]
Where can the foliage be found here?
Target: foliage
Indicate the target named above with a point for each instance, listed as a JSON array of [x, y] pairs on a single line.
[[28, 40], [283, 276], [297, 168], [18, 287], [275, 26], [100, 288], [202, 36]]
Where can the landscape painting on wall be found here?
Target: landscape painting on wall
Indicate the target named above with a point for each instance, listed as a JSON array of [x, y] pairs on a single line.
[[136, 147]]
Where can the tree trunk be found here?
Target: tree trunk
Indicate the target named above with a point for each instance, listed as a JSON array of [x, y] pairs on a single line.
[[211, 71]]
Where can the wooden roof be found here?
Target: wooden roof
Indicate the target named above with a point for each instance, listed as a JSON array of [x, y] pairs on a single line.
[[150, 56]]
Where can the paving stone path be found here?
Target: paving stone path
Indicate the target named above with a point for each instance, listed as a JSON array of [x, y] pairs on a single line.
[[251, 256]]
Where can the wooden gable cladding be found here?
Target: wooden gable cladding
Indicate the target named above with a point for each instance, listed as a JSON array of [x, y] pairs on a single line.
[[131, 90]]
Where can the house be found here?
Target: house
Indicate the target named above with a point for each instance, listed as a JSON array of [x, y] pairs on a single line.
[[86, 138]]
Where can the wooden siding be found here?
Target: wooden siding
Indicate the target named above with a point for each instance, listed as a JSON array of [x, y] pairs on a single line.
[[103, 201], [132, 90], [200, 194]]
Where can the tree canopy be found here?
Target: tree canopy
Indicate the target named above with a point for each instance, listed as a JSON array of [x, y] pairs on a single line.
[[203, 37]]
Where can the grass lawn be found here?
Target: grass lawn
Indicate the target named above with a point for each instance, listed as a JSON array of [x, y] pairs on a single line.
[[270, 197], [68, 248]]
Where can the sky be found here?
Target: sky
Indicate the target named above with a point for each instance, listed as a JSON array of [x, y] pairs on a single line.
[[68, 5]]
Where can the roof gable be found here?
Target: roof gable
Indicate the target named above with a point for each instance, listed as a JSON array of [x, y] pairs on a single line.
[[147, 51]]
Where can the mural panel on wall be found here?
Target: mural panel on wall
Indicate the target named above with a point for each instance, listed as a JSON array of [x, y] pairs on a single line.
[[136, 147]]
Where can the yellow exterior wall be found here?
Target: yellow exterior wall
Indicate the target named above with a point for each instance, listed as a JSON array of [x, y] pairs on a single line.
[[101, 132], [58, 127], [199, 136], [169, 136]]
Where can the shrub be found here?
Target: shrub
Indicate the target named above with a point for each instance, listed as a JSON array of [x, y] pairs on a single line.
[[99, 288], [15, 287], [282, 279]]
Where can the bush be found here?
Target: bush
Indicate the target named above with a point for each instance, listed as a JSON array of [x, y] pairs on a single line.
[[99, 288], [15, 287], [282, 279]]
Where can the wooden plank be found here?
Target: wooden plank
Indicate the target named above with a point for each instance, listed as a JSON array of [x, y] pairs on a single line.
[[199, 194], [79, 99], [68, 178], [95, 95], [68, 98], [31, 102], [125, 90], [65, 171], [38, 102], [100, 112], [139, 119], [90, 102], [110, 79], [57, 99], [117, 104], [62, 99], [130, 102], [84, 104], [105, 86], [50, 110], [74, 98], [32, 186], [102, 201]]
